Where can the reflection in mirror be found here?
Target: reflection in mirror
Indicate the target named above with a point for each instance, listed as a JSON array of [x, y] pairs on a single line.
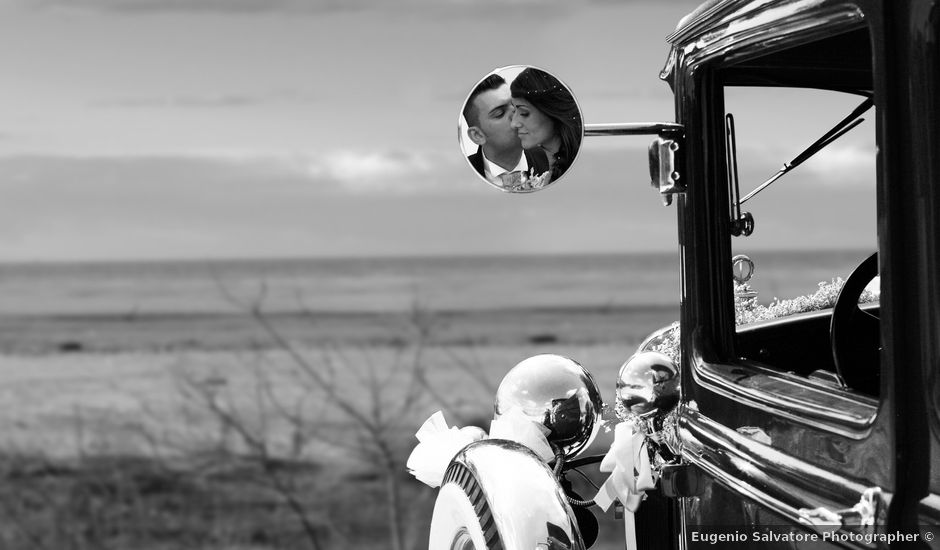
[[520, 129]]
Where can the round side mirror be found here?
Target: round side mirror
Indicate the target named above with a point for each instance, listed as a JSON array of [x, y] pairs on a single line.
[[520, 128]]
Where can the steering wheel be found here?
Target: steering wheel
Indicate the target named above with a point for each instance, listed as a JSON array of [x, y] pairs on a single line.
[[854, 333]]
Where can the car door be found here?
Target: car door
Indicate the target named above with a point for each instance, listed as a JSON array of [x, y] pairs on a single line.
[[790, 451]]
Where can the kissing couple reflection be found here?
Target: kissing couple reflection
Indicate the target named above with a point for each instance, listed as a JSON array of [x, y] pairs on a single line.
[[527, 132]]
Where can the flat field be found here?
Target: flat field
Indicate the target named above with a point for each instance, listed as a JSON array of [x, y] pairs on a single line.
[[267, 431], [272, 405], [263, 405]]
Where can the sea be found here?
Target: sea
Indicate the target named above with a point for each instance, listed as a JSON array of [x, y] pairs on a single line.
[[454, 283]]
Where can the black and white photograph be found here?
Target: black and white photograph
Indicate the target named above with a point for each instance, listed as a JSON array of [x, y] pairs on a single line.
[[675, 286]]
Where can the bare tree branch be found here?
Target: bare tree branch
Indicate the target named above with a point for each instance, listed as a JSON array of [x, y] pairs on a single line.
[[374, 416]]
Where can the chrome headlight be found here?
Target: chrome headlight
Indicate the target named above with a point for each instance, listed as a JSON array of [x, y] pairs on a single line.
[[648, 384], [556, 392]]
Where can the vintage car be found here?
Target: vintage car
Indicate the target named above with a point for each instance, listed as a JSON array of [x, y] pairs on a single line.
[[811, 420]]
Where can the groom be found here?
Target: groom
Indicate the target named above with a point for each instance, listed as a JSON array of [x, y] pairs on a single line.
[[499, 157]]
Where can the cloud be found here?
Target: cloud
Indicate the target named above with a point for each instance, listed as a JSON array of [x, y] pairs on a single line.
[[691, 3], [471, 8], [268, 6], [200, 6], [228, 204], [843, 165], [360, 202], [391, 171], [654, 89], [837, 164], [368, 170], [338, 172], [212, 101], [186, 101]]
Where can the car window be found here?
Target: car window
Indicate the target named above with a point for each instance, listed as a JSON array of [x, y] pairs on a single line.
[[816, 222], [811, 227]]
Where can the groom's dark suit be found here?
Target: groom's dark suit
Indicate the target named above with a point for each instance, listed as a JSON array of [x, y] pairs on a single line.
[[535, 157]]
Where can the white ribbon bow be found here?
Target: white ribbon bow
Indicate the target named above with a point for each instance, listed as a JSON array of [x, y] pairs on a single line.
[[631, 475], [629, 463], [515, 425], [437, 446]]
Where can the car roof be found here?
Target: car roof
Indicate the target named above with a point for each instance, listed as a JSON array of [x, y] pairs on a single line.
[[815, 44]]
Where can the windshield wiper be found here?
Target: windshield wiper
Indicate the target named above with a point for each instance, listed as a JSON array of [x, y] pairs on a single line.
[[835, 133]]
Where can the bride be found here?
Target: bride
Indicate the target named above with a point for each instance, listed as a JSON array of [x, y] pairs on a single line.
[[546, 116]]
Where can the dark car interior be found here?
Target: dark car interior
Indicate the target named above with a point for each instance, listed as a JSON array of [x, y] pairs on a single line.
[[773, 344]]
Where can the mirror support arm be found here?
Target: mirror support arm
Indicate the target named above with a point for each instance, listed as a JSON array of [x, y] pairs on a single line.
[[665, 129], [666, 153]]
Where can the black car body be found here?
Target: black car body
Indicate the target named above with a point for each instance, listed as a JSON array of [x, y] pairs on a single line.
[[830, 447]]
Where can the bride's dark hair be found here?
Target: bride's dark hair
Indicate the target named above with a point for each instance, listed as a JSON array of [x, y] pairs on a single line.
[[547, 94]]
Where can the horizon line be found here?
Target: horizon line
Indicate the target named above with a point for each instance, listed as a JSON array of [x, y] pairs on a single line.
[[394, 257]]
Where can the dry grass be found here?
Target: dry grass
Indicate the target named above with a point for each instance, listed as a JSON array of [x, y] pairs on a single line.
[[106, 449]]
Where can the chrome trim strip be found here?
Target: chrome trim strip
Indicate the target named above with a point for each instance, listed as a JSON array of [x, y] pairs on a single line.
[[929, 510], [694, 20], [522, 494], [712, 17], [751, 32], [811, 404], [683, 522], [767, 476]]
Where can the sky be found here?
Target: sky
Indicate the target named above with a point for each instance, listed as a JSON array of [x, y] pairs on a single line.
[[200, 129]]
